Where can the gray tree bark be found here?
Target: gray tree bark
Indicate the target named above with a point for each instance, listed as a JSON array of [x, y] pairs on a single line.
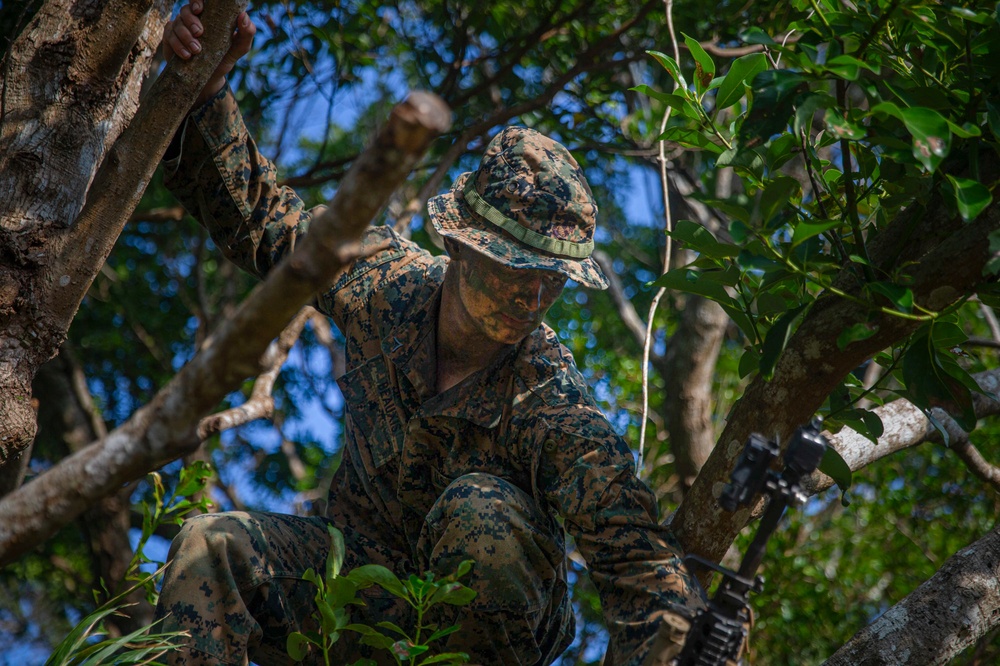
[[956, 607]]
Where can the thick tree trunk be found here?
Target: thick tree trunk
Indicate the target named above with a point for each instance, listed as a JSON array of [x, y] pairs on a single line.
[[952, 610], [690, 365], [70, 86]]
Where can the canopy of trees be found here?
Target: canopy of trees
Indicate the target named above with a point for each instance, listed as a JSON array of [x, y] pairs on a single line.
[[829, 245]]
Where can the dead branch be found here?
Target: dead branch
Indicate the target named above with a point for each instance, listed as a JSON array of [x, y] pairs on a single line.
[[261, 402]]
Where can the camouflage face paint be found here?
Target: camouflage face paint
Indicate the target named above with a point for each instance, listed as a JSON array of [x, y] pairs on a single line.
[[506, 303]]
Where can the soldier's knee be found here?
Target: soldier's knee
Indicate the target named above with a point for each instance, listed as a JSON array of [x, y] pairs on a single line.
[[215, 536], [483, 497]]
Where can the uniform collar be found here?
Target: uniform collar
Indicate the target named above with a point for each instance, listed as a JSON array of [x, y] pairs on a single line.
[[411, 347]]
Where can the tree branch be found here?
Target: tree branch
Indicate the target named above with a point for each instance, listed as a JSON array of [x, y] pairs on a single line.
[[906, 425], [129, 166], [261, 403], [950, 611], [166, 428]]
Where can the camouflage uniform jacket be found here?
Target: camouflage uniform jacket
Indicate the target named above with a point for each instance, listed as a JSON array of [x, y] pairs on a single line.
[[528, 417]]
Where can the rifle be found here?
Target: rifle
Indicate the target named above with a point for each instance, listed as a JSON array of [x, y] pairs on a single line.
[[715, 635]]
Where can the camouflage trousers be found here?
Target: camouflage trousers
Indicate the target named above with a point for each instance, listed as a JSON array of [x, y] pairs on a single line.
[[234, 580]]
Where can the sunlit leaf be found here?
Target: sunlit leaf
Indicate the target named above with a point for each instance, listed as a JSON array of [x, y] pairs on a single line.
[[704, 65], [971, 197], [740, 73], [670, 65]]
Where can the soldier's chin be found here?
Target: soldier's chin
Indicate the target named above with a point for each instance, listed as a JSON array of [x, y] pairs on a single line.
[[511, 331]]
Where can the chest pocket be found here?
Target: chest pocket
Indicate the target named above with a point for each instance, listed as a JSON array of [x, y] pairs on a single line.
[[375, 418]]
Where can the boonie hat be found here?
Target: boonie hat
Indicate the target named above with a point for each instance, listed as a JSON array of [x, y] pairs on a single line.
[[527, 206]]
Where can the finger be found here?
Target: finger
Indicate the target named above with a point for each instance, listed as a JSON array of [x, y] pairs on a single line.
[[195, 7], [191, 22], [243, 40], [182, 41]]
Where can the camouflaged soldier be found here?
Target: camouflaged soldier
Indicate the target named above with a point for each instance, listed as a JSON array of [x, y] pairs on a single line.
[[468, 429]]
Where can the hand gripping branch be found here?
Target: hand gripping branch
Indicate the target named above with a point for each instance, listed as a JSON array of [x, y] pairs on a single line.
[[715, 636]]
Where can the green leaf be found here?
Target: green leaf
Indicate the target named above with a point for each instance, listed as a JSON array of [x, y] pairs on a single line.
[[377, 640], [755, 35], [901, 297], [842, 127], [874, 423], [698, 238], [947, 334], [777, 195], [965, 130], [341, 591], [848, 67], [364, 630], [833, 465], [934, 380], [441, 633], [930, 130], [777, 338], [855, 333], [780, 150], [992, 266], [678, 103], [690, 138], [971, 197], [368, 574], [806, 230], [704, 70], [685, 280], [670, 65], [393, 628], [864, 422], [749, 362], [313, 578], [464, 567], [297, 645], [335, 559], [775, 93], [457, 596], [931, 135], [193, 479], [744, 160], [993, 118], [733, 87], [328, 619], [455, 657]]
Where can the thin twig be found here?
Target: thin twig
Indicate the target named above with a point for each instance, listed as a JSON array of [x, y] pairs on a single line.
[[668, 224]]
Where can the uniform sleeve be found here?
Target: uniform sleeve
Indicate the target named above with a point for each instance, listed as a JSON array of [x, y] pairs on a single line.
[[216, 172], [587, 474], [214, 169]]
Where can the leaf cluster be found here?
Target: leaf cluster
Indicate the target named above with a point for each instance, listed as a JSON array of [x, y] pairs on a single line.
[[866, 112], [335, 593]]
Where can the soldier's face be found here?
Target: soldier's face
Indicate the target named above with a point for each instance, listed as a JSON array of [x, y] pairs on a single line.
[[505, 303]]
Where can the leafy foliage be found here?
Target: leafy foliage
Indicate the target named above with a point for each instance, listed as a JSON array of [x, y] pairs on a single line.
[[829, 148], [334, 593]]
